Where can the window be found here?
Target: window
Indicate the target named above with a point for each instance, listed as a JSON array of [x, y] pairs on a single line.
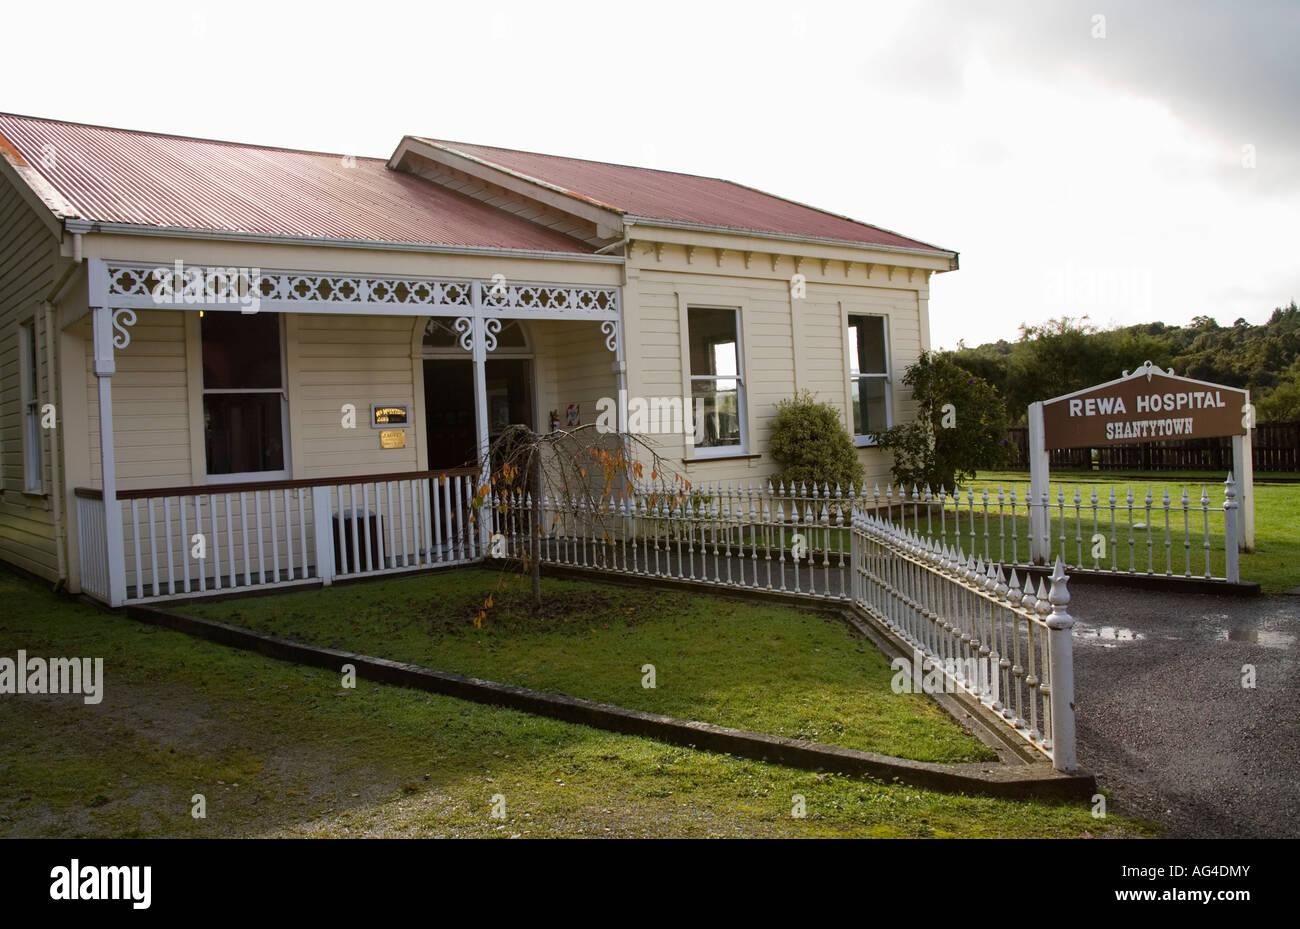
[[31, 407], [441, 334], [717, 381], [244, 415], [869, 377]]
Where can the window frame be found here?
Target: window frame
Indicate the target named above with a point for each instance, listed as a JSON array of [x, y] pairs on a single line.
[[248, 477], [29, 400], [868, 440], [699, 452]]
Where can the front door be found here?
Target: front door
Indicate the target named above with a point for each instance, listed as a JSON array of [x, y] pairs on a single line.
[[450, 423], [449, 412]]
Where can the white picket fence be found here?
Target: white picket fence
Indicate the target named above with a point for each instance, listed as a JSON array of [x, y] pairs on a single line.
[[968, 618], [977, 629], [1145, 532]]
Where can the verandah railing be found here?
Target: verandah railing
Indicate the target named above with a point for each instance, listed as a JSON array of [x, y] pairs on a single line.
[[971, 625], [191, 541], [92, 543]]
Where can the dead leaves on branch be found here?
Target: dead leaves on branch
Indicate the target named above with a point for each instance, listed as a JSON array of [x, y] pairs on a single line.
[[526, 469]]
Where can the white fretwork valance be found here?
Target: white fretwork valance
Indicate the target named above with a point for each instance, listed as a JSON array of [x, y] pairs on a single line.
[[204, 287]]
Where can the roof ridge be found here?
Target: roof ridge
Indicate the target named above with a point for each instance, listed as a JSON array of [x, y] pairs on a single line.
[[190, 138], [590, 161]]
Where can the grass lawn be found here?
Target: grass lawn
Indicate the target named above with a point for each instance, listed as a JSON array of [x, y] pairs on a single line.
[[281, 750], [770, 668]]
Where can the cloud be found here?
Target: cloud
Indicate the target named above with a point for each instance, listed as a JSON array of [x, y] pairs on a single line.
[[1229, 70]]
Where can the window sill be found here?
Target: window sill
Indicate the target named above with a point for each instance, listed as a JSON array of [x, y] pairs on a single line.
[[865, 441], [739, 456]]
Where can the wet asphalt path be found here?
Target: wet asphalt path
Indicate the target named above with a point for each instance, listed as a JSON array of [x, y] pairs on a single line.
[[1163, 718]]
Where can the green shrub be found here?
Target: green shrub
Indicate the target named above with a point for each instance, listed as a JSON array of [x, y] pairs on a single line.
[[812, 446]]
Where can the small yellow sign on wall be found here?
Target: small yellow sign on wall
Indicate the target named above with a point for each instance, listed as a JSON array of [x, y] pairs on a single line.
[[388, 415], [392, 438]]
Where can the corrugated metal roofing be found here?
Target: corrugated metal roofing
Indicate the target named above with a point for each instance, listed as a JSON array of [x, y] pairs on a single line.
[[142, 178], [123, 176], [681, 197]]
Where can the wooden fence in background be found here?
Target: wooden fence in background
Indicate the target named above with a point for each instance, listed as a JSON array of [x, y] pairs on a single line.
[[1276, 448]]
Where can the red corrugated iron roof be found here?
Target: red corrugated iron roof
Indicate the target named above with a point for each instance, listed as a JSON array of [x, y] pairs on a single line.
[[124, 176], [142, 178], [667, 195]]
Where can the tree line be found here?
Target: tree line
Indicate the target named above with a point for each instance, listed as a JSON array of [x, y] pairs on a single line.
[[1066, 354]]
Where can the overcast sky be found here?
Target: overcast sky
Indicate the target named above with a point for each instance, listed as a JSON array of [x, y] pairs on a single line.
[[1141, 167]]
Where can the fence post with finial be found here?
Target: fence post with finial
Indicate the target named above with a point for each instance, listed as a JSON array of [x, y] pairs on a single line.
[[1061, 653], [1231, 570]]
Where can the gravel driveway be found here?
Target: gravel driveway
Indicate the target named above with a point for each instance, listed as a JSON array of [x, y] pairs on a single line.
[[1163, 718]]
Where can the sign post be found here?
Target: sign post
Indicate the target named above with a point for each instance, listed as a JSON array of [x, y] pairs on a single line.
[[1040, 463], [1142, 406], [1243, 468]]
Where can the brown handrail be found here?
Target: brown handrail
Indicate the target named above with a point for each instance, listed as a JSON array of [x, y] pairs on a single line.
[[195, 490]]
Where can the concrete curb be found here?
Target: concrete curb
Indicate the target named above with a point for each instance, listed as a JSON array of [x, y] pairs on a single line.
[[1038, 780]]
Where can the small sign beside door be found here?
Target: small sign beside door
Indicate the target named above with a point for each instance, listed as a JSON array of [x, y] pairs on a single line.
[[572, 415], [388, 414], [392, 438]]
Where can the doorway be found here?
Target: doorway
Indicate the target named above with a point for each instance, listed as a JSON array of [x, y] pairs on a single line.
[[450, 422]]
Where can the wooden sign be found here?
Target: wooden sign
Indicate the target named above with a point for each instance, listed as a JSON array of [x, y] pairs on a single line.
[[1149, 405]]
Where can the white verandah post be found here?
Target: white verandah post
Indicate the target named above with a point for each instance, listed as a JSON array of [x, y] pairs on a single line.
[[613, 330], [614, 333], [104, 367], [478, 353]]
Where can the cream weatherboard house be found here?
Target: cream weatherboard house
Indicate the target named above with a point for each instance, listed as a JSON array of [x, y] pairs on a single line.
[[219, 360]]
